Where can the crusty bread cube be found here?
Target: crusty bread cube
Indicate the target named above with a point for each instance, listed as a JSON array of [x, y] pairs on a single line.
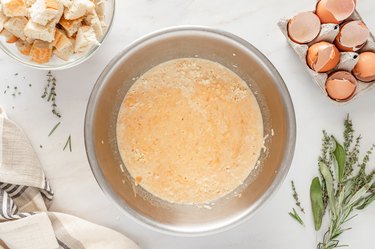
[[61, 40], [41, 52], [9, 37], [92, 20], [23, 46], [64, 54], [78, 8], [39, 32], [13, 8], [43, 11], [71, 26], [16, 26], [3, 19], [86, 38], [100, 9]]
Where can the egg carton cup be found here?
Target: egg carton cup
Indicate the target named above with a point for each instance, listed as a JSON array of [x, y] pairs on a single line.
[[348, 60]]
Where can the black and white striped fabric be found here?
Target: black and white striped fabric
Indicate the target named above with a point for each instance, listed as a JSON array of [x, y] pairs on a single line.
[[25, 195]]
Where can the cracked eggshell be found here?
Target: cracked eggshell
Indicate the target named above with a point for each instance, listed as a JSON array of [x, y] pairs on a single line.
[[304, 27], [322, 57], [341, 86], [353, 36], [364, 70], [335, 11]]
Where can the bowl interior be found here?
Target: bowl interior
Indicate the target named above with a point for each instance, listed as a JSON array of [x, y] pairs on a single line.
[[55, 63], [230, 51]]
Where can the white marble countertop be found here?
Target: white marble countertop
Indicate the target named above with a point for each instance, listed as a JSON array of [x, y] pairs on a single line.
[[76, 191]]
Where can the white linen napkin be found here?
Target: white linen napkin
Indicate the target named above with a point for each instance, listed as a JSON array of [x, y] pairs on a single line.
[[25, 195]]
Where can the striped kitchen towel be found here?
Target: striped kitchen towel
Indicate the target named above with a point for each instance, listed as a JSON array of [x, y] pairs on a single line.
[[25, 196]]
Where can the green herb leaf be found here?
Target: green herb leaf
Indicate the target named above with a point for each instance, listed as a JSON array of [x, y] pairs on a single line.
[[329, 185], [367, 201], [68, 142], [340, 158], [54, 128], [296, 217], [317, 202]]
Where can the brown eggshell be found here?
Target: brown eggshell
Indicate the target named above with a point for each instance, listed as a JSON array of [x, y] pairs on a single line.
[[335, 11], [322, 57], [364, 70], [352, 37], [341, 86], [304, 27]]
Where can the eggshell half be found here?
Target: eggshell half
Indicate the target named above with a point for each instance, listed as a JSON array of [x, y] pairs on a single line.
[[304, 27], [364, 70], [352, 37], [335, 11], [341, 86], [322, 57]]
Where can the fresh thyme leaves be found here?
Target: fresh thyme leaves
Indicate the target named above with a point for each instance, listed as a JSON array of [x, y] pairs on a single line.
[[54, 128], [50, 93], [68, 143], [296, 217], [294, 214], [343, 186], [296, 198]]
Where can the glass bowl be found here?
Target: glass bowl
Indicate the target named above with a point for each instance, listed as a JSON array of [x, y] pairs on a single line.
[[55, 63]]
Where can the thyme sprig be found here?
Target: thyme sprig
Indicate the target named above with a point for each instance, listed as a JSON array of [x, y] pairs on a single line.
[[343, 186], [296, 198], [296, 217], [50, 93]]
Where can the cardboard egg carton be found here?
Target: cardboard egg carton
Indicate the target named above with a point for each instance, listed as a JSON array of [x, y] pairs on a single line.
[[348, 60]]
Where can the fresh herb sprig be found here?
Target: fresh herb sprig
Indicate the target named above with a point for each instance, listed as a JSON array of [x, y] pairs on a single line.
[[294, 214], [343, 185], [68, 144], [50, 93], [296, 217]]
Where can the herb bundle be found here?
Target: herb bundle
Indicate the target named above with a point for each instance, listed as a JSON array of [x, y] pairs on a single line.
[[344, 185], [50, 93]]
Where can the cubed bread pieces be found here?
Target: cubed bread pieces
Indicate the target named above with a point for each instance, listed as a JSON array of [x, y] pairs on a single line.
[[100, 9], [71, 26], [16, 26], [23, 46], [86, 38], [43, 11], [61, 41], [64, 54], [14, 8], [3, 19], [66, 3], [78, 8], [39, 32], [9, 37], [92, 20], [41, 52]]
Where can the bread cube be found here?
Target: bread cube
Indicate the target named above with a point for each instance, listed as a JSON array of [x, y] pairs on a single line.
[[16, 26], [71, 26], [36, 31], [85, 39], [92, 20], [14, 8], [78, 8], [23, 46], [3, 19], [43, 11], [41, 52], [9, 37]]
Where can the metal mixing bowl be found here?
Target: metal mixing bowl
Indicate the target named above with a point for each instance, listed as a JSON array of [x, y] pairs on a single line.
[[232, 52]]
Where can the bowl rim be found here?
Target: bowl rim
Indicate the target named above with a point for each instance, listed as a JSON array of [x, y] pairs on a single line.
[[69, 64], [239, 219]]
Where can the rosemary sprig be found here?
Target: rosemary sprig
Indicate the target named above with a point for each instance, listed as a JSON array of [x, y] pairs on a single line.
[[54, 128], [68, 143], [296, 217], [343, 186]]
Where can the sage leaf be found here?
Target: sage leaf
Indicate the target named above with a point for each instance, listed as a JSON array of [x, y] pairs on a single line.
[[367, 202], [358, 195], [340, 158], [329, 186], [317, 206]]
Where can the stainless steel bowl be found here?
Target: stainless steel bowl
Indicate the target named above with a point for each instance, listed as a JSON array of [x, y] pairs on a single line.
[[232, 52]]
